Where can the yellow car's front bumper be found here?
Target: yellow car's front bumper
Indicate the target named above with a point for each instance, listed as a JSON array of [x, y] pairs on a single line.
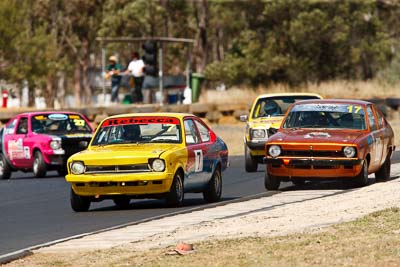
[[121, 184]]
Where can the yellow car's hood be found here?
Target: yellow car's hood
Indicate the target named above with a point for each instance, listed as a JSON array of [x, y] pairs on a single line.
[[122, 154], [266, 122]]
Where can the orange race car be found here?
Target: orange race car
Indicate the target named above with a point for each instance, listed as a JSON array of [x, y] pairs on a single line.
[[329, 139]]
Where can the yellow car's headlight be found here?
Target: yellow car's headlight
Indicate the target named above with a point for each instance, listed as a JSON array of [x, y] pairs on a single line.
[[77, 167], [158, 165], [257, 133]]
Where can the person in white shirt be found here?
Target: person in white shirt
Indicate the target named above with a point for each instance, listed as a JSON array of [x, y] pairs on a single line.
[[135, 68]]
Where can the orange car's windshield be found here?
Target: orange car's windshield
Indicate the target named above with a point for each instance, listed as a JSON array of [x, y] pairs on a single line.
[[342, 116]]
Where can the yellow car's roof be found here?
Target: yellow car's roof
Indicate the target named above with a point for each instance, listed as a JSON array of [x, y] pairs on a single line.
[[152, 114], [288, 94]]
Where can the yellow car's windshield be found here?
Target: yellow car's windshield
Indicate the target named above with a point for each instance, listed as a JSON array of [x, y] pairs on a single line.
[[138, 130], [276, 106]]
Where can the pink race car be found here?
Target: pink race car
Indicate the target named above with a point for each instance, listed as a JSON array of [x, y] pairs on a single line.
[[42, 141]]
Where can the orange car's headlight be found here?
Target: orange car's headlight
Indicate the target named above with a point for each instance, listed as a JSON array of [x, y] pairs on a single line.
[[349, 151], [274, 151]]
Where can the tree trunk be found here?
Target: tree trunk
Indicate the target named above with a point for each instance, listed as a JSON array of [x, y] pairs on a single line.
[[61, 89], [220, 43], [31, 94], [49, 92], [85, 82], [77, 84], [201, 44]]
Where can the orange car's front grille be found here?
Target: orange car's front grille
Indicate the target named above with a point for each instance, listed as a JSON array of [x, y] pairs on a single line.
[[308, 167], [312, 153]]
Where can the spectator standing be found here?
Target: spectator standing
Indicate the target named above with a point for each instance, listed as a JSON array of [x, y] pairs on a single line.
[[113, 72], [136, 69]]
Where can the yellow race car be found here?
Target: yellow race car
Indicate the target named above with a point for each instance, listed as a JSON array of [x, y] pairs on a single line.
[[148, 155], [266, 112]]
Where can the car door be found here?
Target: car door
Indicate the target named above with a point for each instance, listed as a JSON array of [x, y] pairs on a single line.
[[382, 134], [8, 140], [19, 146], [195, 152], [209, 154], [376, 147]]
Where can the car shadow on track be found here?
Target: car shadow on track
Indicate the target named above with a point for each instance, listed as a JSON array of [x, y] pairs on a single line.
[[332, 185], [154, 204]]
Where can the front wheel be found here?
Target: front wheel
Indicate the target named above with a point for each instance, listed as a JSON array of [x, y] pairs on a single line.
[[383, 173], [5, 169], [176, 193], [362, 178], [251, 163], [122, 202], [39, 166], [214, 188], [271, 182], [79, 203]]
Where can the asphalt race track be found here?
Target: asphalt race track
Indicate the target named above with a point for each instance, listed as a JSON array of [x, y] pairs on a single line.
[[36, 211]]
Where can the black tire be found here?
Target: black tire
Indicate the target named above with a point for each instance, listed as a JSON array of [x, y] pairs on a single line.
[[122, 202], [79, 203], [298, 182], [5, 168], [39, 166], [362, 178], [176, 194], [62, 172], [383, 173], [251, 163], [213, 191], [271, 182]]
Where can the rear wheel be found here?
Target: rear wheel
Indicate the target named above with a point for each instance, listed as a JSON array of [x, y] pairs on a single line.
[[5, 169], [122, 202], [79, 203], [39, 166], [214, 188], [176, 193], [251, 163], [271, 182], [298, 182], [383, 173], [362, 178]]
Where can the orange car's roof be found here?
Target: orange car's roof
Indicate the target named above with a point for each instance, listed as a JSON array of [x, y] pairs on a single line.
[[333, 101]]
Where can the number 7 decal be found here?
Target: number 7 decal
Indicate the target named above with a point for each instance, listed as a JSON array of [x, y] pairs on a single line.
[[198, 164]]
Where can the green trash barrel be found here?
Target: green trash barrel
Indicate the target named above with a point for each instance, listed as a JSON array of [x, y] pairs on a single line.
[[196, 81]]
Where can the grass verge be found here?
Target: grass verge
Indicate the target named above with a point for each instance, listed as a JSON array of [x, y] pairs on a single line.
[[373, 240]]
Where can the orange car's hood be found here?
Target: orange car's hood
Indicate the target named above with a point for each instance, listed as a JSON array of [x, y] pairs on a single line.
[[315, 136]]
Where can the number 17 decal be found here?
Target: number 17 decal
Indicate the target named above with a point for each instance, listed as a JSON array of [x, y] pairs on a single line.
[[198, 164]]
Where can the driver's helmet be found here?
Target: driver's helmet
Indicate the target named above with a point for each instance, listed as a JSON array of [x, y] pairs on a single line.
[[131, 132], [271, 108], [36, 125], [309, 117]]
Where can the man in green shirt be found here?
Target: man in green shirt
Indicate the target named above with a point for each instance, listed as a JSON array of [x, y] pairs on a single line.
[[113, 72]]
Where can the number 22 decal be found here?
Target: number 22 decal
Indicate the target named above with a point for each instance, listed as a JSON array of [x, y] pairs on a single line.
[[198, 164]]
